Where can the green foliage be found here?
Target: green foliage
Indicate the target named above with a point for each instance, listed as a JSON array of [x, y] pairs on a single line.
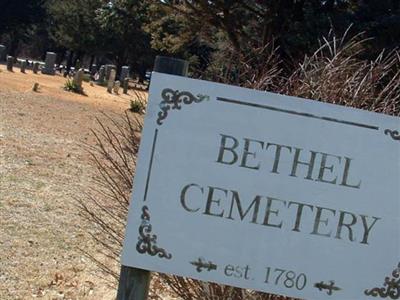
[[71, 86], [137, 106], [74, 25], [121, 23], [293, 26], [20, 14]]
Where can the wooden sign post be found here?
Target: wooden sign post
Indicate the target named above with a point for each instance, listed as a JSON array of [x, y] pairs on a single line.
[[134, 283]]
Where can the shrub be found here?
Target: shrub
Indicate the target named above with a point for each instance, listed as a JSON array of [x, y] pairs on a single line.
[[138, 105], [71, 86]]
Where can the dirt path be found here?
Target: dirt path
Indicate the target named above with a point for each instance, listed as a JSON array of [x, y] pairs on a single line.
[[43, 167]]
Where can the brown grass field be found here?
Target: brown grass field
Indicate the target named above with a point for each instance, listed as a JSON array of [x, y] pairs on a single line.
[[43, 168]]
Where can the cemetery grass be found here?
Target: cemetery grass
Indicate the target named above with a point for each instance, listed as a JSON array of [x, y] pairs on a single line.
[[43, 168]]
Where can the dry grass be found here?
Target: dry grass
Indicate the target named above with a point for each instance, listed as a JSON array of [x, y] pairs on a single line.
[[43, 168], [334, 73]]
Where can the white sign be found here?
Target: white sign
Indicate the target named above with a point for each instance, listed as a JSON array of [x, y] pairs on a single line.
[[266, 192]]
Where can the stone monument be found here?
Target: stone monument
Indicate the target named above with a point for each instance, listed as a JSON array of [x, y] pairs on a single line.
[[117, 85], [126, 85], [35, 67], [108, 70], [2, 52], [124, 73], [10, 63], [23, 66], [111, 80], [78, 79], [49, 64]]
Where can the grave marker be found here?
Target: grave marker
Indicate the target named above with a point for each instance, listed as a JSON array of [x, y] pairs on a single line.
[[266, 192], [111, 80], [35, 67], [23, 66], [108, 70], [49, 64], [10, 63], [3, 50], [78, 79], [117, 85], [102, 75], [126, 85], [124, 73]]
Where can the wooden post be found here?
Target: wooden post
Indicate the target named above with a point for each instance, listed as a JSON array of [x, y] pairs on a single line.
[[134, 283]]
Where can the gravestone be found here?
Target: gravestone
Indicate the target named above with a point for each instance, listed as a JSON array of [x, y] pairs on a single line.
[[49, 63], [35, 67], [2, 52], [78, 79], [111, 80], [117, 85], [10, 63], [124, 73], [108, 70], [35, 87], [126, 85], [23, 66]]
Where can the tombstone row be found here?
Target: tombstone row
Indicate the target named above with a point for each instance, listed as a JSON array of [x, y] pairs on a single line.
[[105, 74], [48, 68]]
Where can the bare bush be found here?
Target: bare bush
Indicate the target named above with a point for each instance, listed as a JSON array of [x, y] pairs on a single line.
[[106, 203], [334, 73]]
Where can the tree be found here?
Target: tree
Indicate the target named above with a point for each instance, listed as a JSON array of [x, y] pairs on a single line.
[[121, 24], [173, 34], [74, 27], [294, 25], [17, 18], [18, 14]]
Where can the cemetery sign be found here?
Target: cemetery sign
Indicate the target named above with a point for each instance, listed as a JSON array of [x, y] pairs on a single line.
[[266, 192]]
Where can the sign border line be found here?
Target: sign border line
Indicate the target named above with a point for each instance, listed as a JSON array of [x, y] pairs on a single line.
[[293, 112]]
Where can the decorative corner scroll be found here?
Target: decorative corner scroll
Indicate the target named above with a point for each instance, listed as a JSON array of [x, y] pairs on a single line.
[[147, 241], [390, 289], [394, 134], [201, 264], [329, 287], [173, 99]]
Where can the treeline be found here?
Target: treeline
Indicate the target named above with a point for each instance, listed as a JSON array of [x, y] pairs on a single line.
[[212, 35]]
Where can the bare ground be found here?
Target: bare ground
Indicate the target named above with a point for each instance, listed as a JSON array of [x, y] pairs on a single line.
[[43, 168]]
